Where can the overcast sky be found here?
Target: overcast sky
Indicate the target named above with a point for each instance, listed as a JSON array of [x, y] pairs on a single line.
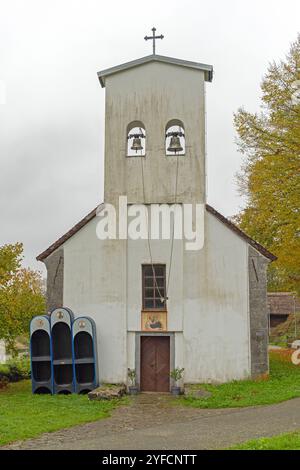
[[51, 125]]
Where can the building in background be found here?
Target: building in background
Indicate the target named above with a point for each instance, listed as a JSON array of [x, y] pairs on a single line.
[[280, 306]]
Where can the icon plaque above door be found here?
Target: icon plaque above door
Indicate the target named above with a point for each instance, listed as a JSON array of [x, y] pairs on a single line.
[[154, 321]]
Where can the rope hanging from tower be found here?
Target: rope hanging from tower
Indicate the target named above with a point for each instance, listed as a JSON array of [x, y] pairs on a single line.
[[163, 298]]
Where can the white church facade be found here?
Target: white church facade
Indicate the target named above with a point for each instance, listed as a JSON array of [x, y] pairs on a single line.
[[156, 304]]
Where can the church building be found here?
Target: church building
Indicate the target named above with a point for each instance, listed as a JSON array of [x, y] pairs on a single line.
[[158, 305]]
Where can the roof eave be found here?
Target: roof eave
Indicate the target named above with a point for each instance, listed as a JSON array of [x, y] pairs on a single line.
[[58, 243], [257, 246]]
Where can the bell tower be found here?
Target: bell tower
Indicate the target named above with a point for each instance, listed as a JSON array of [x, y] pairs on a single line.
[[155, 129]]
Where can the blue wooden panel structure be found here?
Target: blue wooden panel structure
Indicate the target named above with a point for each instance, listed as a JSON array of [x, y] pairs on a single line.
[[40, 355], [85, 355], [63, 353], [61, 320]]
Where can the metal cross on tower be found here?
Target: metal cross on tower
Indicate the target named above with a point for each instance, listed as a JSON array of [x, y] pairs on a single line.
[[153, 37]]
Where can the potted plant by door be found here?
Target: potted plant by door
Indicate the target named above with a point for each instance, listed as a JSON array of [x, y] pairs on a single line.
[[176, 375], [132, 389]]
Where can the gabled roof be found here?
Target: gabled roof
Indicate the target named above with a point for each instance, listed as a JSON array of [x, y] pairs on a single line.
[[209, 209], [67, 235], [208, 69], [242, 234]]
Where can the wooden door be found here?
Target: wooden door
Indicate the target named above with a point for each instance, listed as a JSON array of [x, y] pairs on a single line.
[[155, 363]]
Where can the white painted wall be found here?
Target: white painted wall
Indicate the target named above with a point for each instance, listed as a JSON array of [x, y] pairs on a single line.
[[216, 318], [155, 93], [207, 307], [95, 285]]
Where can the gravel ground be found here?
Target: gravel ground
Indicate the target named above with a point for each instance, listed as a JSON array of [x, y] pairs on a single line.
[[152, 422]]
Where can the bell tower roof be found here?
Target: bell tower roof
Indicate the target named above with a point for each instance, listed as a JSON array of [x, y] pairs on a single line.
[[207, 69]]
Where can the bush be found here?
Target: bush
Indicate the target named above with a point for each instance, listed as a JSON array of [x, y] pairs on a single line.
[[177, 374], [3, 382], [15, 370], [4, 371]]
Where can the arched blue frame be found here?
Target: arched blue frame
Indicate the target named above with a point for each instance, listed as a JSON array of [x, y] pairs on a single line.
[[61, 320], [41, 355], [85, 363]]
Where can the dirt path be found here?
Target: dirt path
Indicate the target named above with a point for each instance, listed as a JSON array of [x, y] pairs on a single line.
[[151, 422]]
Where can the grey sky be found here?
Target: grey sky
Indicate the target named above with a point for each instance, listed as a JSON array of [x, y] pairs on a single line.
[[51, 127]]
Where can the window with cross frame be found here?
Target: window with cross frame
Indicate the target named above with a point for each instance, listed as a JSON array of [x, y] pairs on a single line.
[[154, 286]]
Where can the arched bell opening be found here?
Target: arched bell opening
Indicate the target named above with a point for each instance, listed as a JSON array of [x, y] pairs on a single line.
[[84, 392], [136, 139], [175, 138], [64, 392]]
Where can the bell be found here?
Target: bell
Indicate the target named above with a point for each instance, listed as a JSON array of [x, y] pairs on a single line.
[[136, 144], [175, 145]]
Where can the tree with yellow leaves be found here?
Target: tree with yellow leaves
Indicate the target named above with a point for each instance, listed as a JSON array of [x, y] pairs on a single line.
[[21, 294], [270, 176]]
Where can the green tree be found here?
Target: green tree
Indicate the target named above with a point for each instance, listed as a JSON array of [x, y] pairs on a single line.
[[21, 294], [270, 175]]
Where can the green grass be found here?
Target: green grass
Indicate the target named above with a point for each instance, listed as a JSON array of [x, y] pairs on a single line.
[[23, 415], [282, 384], [290, 441]]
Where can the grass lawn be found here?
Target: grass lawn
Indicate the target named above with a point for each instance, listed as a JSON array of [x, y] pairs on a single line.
[[23, 415], [290, 441], [282, 384]]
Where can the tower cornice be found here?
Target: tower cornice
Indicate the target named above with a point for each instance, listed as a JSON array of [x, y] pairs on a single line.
[[207, 69]]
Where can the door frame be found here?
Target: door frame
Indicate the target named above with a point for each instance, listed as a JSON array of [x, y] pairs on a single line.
[[138, 353]]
